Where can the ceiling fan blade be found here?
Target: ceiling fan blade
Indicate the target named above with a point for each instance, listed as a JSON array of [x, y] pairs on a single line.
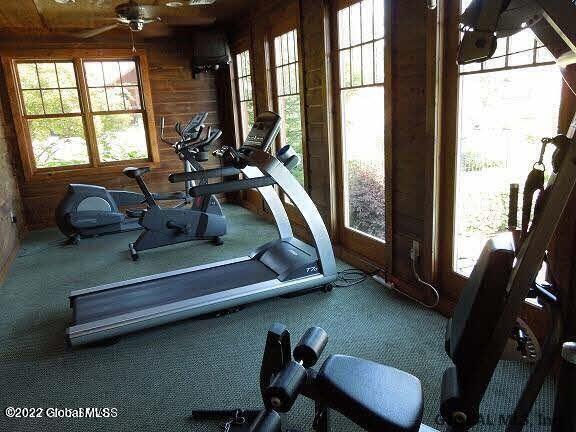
[[151, 20], [201, 2], [87, 34]]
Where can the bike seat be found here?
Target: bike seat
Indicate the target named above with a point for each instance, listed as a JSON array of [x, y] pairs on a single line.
[[375, 397], [133, 172]]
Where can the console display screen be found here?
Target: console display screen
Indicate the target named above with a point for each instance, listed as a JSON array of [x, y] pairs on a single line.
[[265, 129]]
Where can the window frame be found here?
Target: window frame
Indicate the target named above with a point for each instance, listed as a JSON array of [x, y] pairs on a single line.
[[77, 57], [236, 90], [289, 26], [377, 251], [452, 281]]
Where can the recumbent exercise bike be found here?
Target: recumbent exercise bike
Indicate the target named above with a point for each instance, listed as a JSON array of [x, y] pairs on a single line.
[[201, 219]]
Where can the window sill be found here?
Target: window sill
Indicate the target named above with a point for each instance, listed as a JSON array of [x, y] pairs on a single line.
[[63, 173]]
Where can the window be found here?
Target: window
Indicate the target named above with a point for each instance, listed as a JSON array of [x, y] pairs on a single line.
[[80, 113], [116, 108], [51, 104], [361, 45], [286, 70], [506, 105], [244, 86]]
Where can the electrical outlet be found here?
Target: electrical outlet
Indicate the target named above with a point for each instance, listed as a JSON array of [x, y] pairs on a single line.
[[13, 217], [415, 248]]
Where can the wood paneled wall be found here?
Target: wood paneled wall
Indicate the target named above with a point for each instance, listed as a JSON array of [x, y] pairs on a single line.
[[176, 95], [414, 135], [316, 50], [10, 202]]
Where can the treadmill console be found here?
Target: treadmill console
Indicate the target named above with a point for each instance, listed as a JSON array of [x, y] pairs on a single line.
[[264, 132]]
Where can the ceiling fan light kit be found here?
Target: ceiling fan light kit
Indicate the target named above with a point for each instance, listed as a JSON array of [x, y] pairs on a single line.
[[174, 4], [136, 25]]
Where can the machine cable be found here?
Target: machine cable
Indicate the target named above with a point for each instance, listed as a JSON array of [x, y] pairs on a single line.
[[421, 281]]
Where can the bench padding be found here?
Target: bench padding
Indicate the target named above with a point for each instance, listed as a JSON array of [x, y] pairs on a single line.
[[374, 396]]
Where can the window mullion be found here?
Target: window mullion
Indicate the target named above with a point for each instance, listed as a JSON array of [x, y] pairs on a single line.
[[40, 89], [121, 86], [89, 128]]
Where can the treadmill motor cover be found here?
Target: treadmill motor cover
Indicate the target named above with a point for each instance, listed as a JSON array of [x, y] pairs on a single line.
[[290, 261]]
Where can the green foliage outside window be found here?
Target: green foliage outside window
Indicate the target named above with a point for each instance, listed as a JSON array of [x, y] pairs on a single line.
[[50, 89], [290, 111], [476, 161], [365, 188], [58, 141], [120, 137]]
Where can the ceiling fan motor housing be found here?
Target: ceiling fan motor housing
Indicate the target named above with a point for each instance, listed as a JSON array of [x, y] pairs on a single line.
[[136, 25]]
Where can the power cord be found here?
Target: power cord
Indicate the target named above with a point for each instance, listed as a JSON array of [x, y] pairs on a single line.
[[414, 255], [350, 277]]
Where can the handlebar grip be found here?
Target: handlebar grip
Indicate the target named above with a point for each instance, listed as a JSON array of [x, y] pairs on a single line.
[[310, 346], [232, 186], [204, 174], [285, 388], [194, 142]]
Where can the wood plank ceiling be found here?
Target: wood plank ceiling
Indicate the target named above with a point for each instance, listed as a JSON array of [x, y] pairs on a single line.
[[49, 16]]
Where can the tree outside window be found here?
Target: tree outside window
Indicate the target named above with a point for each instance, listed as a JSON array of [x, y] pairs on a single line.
[[62, 121]]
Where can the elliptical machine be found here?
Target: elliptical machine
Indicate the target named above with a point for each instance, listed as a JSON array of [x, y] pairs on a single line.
[[201, 220], [91, 211]]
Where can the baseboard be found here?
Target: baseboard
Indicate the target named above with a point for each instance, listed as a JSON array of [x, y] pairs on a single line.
[[5, 266]]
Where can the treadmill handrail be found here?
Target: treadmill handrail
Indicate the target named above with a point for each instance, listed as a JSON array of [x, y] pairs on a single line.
[[204, 174], [268, 165], [231, 186]]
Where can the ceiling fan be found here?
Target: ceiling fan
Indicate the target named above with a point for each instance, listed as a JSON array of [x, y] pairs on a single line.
[[135, 16]]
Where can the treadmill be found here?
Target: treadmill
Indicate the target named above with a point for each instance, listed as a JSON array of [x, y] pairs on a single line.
[[282, 266]]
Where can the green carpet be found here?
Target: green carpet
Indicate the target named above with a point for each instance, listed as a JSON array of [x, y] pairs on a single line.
[[155, 378]]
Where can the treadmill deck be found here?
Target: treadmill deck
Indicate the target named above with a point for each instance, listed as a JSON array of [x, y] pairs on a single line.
[[144, 295]]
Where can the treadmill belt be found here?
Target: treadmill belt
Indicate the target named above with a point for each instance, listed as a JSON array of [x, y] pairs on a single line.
[[144, 295]]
